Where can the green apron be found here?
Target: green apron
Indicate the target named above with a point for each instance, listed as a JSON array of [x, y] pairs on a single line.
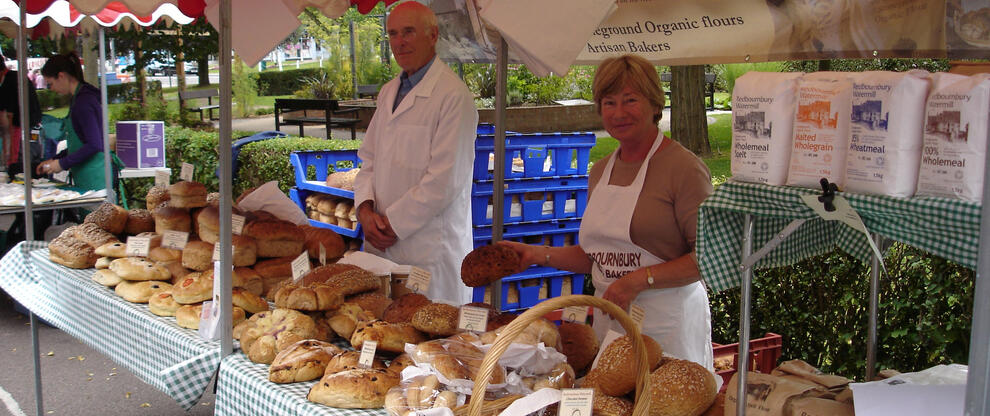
[[89, 174]]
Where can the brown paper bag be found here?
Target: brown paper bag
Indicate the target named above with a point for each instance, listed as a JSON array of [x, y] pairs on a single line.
[[806, 371], [816, 406], [766, 395]]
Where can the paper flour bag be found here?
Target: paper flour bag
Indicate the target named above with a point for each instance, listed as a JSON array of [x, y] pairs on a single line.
[[762, 126], [821, 131], [886, 127], [955, 138]]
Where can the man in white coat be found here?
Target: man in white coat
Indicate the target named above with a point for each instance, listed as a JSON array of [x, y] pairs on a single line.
[[414, 188]]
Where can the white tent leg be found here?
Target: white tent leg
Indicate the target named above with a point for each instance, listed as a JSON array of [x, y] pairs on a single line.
[[977, 388], [871, 333], [226, 252], [498, 195], [744, 302], [107, 164]]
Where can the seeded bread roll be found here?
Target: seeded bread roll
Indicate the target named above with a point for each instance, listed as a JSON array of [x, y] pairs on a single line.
[[156, 196], [681, 387], [172, 219], [606, 405], [436, 319], [615, 373], [91, 234], [303, 361], [109, 217], [354, 389], [198, 255], [487, 264], [187, 194], [139, 221]]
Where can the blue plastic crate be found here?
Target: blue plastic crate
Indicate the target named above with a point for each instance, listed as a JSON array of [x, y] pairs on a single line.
[[531, 200], [299, 197], [542, 154], [554, 233], [324, 162], [526, 289]]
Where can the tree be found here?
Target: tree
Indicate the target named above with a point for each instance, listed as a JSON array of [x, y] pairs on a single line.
[[688, 120]]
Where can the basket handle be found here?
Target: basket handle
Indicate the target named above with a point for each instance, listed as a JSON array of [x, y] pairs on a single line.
[[513, 329]]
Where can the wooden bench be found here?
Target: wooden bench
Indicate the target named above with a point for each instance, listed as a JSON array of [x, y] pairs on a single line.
[[314, 111], [368, 90], [198, 94], [709, 89]]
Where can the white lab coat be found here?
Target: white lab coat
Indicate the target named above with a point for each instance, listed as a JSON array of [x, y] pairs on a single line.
[[417, 168]]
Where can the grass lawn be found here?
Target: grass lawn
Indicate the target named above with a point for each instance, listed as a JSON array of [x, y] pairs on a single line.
[[719, 135]]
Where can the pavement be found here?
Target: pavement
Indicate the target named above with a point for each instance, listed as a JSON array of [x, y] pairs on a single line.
[[76, 379]]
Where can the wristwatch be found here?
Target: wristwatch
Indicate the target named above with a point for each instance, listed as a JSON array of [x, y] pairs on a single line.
[[649, 277]]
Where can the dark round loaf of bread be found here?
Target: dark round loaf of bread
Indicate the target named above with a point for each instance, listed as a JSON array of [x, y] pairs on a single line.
[[486, 264]]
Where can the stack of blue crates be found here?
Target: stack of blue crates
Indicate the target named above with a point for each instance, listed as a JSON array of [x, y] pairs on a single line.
[[311, 171], [546, 190]]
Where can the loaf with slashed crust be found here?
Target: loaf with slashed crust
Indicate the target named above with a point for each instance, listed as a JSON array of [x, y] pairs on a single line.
[[303, 361], [71, 252], [269, 332], [362, 388]]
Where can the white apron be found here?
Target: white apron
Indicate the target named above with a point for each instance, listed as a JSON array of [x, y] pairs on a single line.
[[677, 318]]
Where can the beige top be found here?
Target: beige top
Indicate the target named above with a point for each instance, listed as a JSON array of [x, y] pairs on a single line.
[[665, 220]]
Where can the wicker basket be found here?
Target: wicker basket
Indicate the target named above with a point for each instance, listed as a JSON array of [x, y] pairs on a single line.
[[479, 407]]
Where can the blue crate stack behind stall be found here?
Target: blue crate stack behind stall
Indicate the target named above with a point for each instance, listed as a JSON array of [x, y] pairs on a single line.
[[546, 190], [311, 170]]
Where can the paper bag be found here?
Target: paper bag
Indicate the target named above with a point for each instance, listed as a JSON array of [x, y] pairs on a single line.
[[766, 395]]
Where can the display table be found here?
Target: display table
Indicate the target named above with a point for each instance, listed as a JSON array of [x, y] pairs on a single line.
[[159, 352], [945, 227], [243, 389]]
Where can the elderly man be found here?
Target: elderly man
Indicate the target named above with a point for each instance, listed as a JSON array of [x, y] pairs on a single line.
[[413, 191]]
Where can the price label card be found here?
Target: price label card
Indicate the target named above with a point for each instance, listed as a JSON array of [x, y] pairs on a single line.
[[300, 266], [637, 314], [138, 246], [367, 354], [577, 314], [209, 321], [175, 239], [162, 178], [576, 402], [236, 224], [419, 280], [323, 255], [610, 336], [216, 252], [472, 318], [186, 173]]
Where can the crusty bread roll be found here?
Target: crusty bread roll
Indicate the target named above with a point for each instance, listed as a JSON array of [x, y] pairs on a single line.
[[269, 332], [341, 210], [156, 196], [681, 388], [115, 249], [487, 264], [139, 268], [616, 369], [91, 234], [248, 301], [579, 343], [303, 361], [71, 252], [373, 302], [139, 291], [316, 297], [346, 319], [354, 389], [208, 224], [109, 217], [348, 360], [333, 243], [187, 316], [106, 277], [139, 221], [403, 308], [195, 288], [168, 218], [343, 179], [162, 303], [198, 255], [276, 238], [327, 206], [390, 337], [187, 194], [436, 319]]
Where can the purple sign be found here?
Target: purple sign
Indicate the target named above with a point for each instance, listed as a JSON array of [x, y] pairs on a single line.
[[141, 144]]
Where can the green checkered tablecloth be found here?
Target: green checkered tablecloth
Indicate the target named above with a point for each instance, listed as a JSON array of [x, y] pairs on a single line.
[[243, 389], [945, 227], [159, 352]]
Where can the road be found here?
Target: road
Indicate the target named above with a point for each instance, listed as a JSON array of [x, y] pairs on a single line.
[[77, 380], [191, 79]]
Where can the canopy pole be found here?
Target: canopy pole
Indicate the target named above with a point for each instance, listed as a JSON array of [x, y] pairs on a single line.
[[498, 193], [354, 82], [744, 302], [977, 388], [226, 252], [105, 107], [24, 120], [871, 333]]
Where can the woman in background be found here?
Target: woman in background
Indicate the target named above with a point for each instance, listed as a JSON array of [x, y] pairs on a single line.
[[82, 128]]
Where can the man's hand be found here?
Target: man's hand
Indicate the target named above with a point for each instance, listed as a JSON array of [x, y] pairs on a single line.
[[377, 230]]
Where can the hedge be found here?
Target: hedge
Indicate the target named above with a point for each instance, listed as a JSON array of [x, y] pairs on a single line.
[[284, 82], [259, 162], [117, 93]]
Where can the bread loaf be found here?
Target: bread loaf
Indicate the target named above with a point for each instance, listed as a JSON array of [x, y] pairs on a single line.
[[373, 302], [343, 179], [354, 389], [139, 268], [139, 291], [333, 243], [162, 303], [195, 288], [156, 196], [91, 234], [187, 316], [71, 252], [681, 388], [438, 319], [349, 360], [317, 297], [346, 319], [187, 194], [616, 369], [198, 255], [579, 343], [139, 221], [169, 218], [109, 217], [248, 301], [302, 361], [276, 238], [269, 332], [403, 308], [487, 264], [106, 277], [390, 337], [114, 249]]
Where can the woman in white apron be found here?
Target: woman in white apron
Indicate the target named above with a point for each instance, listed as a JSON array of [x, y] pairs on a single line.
[[638, 230]]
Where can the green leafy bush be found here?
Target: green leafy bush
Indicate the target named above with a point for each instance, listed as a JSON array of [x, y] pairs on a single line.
[[268, 160], [244, 87], [857, 65], [820, 306], [284, 82]]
